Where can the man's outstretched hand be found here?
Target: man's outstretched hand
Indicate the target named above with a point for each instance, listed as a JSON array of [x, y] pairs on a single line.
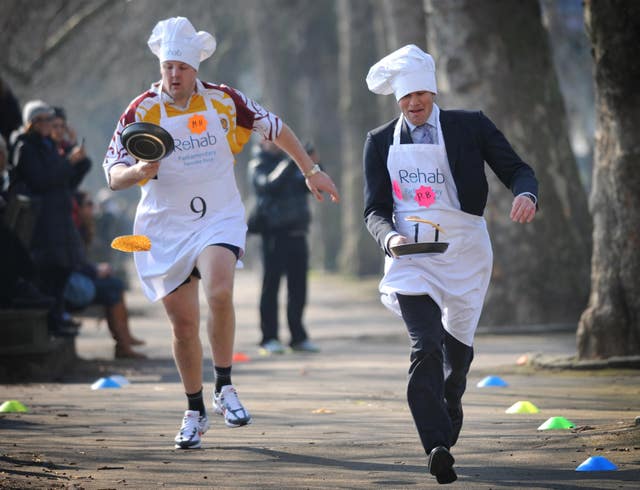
[[321, 182], [523, 210]]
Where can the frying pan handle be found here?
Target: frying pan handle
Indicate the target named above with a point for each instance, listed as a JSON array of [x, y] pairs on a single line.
[[144, 181]]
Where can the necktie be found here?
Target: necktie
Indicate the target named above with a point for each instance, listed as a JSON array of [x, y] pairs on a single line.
[[422, 135]]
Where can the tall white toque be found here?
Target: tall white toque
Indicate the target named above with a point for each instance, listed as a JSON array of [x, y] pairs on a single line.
[[406, 70], [176, 39]]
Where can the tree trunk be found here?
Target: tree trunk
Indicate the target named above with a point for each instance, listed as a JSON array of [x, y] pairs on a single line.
[[294, 55], [270, 41], [356, 53], [405, 23], [571, 50], [318, 94], [610, 326], [494, 56]]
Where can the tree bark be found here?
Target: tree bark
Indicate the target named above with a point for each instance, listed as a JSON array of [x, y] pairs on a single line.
[[571, 51], [270, 40], [610, 326], [356, 53], [405, 23], [494, 56]]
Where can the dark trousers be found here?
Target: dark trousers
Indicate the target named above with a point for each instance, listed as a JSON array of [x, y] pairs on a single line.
[[15, 263], [438, 371], [53, 280], [284, 254]]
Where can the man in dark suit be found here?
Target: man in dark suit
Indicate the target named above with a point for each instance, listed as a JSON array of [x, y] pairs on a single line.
[[426, 167]]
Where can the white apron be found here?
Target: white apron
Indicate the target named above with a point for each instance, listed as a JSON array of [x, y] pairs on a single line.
[[193, 203], [457, 280]]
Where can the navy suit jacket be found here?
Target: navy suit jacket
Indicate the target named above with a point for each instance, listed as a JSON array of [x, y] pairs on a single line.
[[471, 139]]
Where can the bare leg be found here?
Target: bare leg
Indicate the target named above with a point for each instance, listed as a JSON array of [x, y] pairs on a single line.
[[118, 323], [217, 267], [183, 310], [123, 316]]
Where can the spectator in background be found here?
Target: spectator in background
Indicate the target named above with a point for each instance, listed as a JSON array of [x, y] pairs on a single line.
[[65, 138], [92, 283], [10, 117], [4, 172], [112, 218], [61, 132], [16, 287], [16, 290], [49, 179], [66, 143], [281, 217]]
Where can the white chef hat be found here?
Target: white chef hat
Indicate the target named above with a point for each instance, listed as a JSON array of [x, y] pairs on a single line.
[[406, 70], [176, 39]]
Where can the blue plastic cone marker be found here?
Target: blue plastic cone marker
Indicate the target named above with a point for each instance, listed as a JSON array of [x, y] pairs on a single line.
[[11, 406], [557, 423], [121, 380], [522, 407], [596, 463], [104, 383], [492, 381]]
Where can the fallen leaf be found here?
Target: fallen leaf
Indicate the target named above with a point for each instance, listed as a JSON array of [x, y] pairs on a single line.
[[322, 410]]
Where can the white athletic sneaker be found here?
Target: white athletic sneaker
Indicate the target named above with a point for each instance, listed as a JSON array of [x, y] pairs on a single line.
[[203, 423], [270, 347], [193, 426], [228, 404], [305, 346]]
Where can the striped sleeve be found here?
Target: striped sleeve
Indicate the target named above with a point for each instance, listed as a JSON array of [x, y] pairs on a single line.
[[252, 116], [116, 153]]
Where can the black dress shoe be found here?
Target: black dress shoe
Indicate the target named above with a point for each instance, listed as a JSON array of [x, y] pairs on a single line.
[[441, 465]]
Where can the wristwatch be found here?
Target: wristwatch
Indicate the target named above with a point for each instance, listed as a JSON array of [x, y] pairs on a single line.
[[312, 171]]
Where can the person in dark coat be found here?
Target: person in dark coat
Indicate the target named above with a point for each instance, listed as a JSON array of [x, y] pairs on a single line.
[[16, 290], [282, 200], [10, 117], [49, 179]]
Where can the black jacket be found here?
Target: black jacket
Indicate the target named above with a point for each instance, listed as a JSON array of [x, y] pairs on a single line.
[[281, 195], [471, 139], [49, 180]]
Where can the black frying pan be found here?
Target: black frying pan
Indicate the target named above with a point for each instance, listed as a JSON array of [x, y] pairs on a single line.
[[420, 248], [147, 141]]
